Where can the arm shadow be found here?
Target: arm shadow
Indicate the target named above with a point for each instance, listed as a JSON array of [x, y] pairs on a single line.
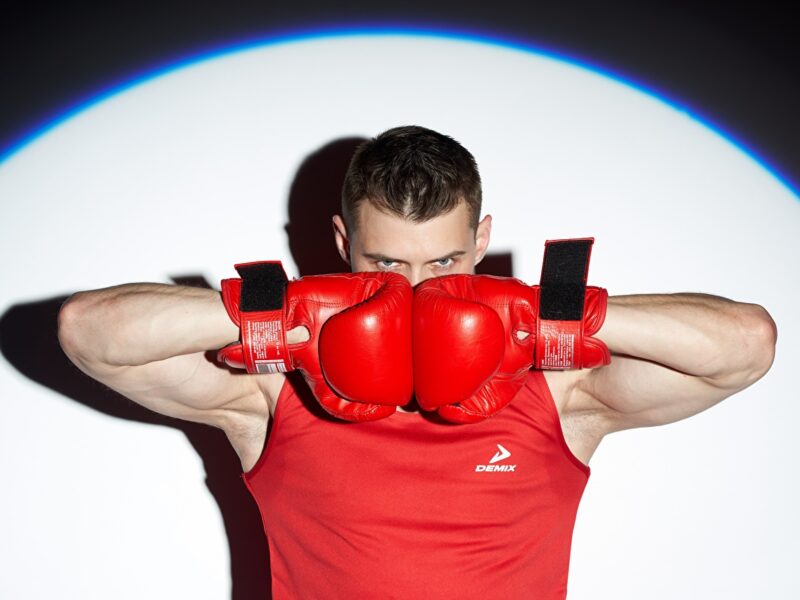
[[29, 342]]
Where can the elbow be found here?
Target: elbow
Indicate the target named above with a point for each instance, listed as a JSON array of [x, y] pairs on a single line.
[[750, 350], [760, 338], [68, 328], [73, 328]]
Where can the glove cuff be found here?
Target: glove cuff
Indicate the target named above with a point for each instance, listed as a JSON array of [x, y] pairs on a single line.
[[261, 302], [569, 311]]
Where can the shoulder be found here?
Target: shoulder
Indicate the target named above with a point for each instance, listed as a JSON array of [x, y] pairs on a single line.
[[253, 410], [247, 421], [585, 421], [571, 394], [270, 387], [565, 387]]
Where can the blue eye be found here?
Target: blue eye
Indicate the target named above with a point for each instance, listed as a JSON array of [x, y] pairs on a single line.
[[444, 262], [388, 264]]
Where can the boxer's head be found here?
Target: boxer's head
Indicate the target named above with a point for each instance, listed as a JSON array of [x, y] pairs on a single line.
[[411, 203]]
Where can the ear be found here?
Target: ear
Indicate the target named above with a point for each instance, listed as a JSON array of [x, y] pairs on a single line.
[[340, 235], [482, 234]]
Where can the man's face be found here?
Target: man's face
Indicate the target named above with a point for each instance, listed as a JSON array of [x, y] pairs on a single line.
[[444, 245]]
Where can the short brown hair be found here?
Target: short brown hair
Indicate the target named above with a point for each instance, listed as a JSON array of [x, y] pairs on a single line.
[[412, 172]]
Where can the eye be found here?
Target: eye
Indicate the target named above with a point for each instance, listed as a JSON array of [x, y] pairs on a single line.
[[386, 264], [443, 263]]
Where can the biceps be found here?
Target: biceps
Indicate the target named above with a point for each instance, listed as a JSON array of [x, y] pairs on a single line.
[[639, 393]]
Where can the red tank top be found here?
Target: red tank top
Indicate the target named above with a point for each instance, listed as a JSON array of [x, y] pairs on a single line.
[[406, 507]]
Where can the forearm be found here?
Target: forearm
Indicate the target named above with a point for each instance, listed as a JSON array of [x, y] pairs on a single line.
[[696, 334], [139, 323]]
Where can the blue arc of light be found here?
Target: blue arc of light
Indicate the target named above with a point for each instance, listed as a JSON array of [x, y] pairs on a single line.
[[127, 82]]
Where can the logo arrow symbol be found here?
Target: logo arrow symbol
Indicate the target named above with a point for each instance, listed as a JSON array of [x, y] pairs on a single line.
[[502, 454]]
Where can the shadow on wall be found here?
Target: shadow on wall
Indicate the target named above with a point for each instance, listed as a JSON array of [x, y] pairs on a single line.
[[314, 198], [28, 341]]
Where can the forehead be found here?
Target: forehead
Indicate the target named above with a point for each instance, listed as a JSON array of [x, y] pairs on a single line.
[[379, 232]]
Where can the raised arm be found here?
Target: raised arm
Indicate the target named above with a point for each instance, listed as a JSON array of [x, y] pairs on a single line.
[[675, 355], [149, 342]]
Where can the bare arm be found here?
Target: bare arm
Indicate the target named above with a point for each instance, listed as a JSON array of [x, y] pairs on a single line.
[[675, 355], [149, 341]]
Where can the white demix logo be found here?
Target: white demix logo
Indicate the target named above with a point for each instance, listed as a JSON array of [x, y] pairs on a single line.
[[501, 454]]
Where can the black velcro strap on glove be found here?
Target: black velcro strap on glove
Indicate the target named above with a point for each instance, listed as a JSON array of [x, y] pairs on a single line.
[[563, 282], [263, 286]]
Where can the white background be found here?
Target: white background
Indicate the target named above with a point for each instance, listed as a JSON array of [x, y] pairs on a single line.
[[190, 172]]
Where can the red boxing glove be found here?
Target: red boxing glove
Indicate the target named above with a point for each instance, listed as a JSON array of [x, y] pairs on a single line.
[[475, 337], [357, 360]]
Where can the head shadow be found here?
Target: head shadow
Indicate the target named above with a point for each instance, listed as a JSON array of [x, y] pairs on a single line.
[[316, 195]]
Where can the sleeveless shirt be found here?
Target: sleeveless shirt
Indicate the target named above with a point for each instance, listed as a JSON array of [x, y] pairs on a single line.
[[412, 507]]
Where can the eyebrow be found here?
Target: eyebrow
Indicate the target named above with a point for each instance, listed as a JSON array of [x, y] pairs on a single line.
[[378, 256]]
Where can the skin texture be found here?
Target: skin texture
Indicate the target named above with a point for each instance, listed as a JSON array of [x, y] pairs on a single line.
[[673, 355], [445, 245]]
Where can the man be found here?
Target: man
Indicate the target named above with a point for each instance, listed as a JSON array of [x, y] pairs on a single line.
[[406, 506]]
